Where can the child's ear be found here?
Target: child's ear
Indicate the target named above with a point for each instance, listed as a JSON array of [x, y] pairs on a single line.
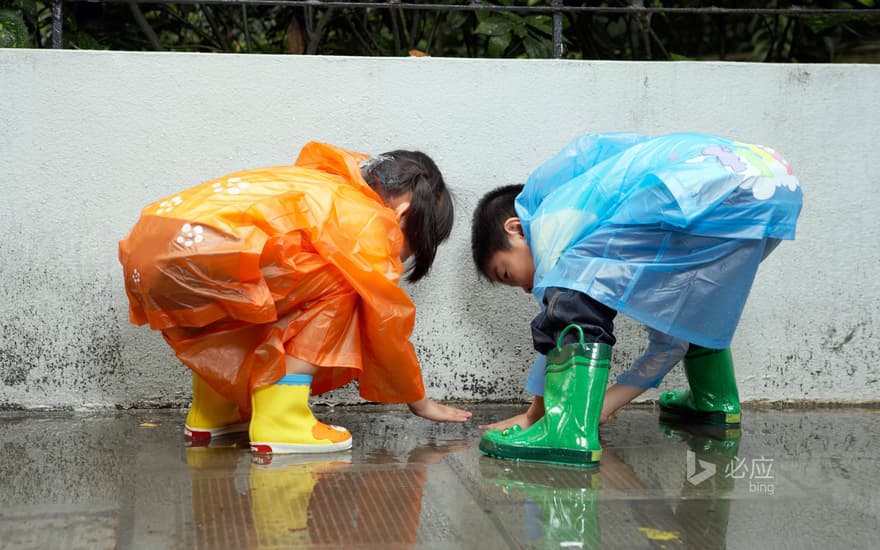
[[512, 226], [402, 209]]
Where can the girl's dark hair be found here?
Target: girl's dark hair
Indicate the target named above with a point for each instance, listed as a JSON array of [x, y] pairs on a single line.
[[487, 228], [430, 215]]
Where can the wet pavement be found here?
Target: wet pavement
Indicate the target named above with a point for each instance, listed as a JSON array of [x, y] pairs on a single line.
[[789, 479]]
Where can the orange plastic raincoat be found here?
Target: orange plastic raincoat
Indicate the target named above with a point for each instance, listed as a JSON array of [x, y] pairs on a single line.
[[301, 260]]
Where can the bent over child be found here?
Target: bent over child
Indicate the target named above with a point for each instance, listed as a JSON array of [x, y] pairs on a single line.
[[668, 230], [275, 283]]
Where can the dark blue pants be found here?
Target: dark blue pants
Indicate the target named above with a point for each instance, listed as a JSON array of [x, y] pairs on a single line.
[[562, 307]]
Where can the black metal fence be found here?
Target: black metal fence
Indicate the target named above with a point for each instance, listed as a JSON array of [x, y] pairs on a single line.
[[556, 8]]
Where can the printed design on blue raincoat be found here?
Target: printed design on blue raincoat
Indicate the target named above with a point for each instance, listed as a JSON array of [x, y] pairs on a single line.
[[667, 230]]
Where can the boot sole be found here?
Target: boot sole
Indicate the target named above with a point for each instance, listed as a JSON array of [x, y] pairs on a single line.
[[299, 448], [688, 416], [208, 433], [567, 457]]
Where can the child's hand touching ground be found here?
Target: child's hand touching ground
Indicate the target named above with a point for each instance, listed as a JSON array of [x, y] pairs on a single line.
[[430, 409]]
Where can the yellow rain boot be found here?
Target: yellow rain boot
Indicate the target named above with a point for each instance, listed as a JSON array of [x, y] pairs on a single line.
[[281, 488], [283, 423], [211, 414]]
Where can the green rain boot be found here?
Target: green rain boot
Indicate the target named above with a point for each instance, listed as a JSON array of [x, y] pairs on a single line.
[[703, 509], [712, 397], [560, 505], [568, 433]]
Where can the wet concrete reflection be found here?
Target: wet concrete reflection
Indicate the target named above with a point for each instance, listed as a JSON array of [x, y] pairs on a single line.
[[561, 505], [304, 500], [127, 480]]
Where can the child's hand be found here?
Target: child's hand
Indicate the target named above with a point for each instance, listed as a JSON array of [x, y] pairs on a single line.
[[430, 409]]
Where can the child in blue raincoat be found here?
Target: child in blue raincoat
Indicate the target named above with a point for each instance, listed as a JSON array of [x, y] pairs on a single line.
[[668, 230]]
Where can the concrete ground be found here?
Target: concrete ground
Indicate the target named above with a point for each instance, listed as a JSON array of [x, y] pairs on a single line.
[[790, 479]]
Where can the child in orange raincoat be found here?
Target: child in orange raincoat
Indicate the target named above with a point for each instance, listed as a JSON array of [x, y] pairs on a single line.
[[272, 282]]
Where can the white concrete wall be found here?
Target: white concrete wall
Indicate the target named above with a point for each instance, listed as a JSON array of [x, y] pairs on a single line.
[[89, 138]]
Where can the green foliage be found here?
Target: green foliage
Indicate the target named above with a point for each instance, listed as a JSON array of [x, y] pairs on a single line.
[[13, 30], [334, 30], [513, 35]]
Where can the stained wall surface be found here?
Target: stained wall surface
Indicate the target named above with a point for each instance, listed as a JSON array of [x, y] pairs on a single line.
[[89, 138]]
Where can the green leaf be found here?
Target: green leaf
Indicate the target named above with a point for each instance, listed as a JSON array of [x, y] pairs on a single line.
[[543, 23], [820, 23], [28, 8], [498, 45], [13, 31], [538, 48], [456, 19], [617, 28], [494, 26]]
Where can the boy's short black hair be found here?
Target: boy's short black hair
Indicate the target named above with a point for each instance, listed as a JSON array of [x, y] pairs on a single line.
[[487, 227]]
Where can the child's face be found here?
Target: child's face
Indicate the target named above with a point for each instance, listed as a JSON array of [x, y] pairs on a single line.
[[514, 266]]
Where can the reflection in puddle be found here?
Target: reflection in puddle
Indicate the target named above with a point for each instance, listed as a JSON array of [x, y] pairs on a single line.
[[124, 479], [561, 504], [295, 500]]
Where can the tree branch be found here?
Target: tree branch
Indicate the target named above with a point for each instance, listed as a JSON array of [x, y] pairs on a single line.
[[145, 26]]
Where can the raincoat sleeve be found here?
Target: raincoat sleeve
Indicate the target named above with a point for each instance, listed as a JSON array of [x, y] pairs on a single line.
[[363, 240], [663, 353], [391, 368]]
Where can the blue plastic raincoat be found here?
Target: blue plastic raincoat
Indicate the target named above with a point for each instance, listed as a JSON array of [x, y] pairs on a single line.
[[667, 230]]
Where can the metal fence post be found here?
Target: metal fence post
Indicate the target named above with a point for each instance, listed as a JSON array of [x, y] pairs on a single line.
[[557, 30], [57, 24]]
